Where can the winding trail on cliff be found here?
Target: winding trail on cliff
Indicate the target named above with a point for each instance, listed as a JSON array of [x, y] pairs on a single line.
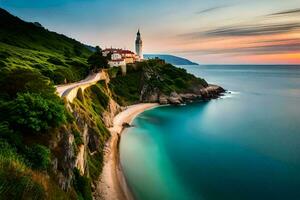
[[69, 91]]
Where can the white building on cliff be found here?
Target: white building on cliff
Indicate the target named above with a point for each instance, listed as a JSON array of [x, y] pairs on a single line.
[[122, 57]]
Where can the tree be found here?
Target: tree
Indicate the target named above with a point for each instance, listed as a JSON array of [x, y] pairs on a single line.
[[31, 113], [97, 61], [98, 50]]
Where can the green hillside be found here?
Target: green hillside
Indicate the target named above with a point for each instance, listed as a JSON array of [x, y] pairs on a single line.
[[27, 45]]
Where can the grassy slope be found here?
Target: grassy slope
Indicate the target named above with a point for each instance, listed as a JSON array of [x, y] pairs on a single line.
[[25, 45], [19, 181]]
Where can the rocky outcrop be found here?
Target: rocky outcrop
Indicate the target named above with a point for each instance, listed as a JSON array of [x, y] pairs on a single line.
[[175, 99], [63, 160], [151, 92], [163, 99], [203, 93]]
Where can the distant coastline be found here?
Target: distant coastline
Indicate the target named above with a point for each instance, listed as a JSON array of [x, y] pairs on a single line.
[[174, 60]]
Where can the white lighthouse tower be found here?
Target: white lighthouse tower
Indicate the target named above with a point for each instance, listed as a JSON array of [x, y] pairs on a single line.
[[139, 45]]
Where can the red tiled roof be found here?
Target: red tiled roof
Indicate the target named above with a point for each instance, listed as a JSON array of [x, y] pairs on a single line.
[[127, 52], [118, 60], [121, 51]]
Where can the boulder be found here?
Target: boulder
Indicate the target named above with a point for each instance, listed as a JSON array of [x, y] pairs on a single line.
[[175, 99], [190, 97], [163, 99]]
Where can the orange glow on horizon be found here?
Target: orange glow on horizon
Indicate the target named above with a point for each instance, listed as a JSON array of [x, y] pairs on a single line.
[[246, 49], [288, 58]]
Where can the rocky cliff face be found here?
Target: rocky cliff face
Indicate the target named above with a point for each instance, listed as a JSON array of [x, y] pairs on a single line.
[[79, 144], [154, 93]]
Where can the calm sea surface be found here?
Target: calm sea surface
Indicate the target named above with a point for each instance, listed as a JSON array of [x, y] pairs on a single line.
[[245, 146]]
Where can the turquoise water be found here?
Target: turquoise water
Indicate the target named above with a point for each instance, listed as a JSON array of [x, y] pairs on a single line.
[[245, 146]]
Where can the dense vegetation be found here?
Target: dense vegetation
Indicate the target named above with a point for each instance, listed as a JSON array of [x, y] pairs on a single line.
[[26, 45], [126, 89], [97, 61], [29, 110]]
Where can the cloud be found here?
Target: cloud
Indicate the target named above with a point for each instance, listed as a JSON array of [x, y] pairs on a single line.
[[212, 9], [287, 12], [246, 30], [292, 47]]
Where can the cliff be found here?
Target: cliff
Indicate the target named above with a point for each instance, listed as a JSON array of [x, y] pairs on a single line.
[[80, 144], [155, 81]]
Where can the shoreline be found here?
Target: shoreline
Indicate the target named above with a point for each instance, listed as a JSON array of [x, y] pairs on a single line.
[[112, 183]]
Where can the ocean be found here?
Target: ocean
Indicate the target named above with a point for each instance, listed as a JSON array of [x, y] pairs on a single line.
[[243, 146]]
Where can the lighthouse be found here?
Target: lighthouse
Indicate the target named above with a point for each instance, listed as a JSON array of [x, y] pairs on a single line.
[[139, 45]]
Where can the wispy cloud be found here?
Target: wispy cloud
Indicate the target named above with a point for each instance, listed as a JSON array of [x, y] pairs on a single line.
[[246, 39], [287, 12], [246, 30], [212, 9]]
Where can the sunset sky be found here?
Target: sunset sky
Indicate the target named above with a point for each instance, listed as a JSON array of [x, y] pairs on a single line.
[[206, 31]]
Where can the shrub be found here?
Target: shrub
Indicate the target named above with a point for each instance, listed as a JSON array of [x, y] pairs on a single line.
[[97, 61], [24, 80], [180, 83], [38, 156], [55, 61], [10, 136], [32, 113], [82, 186]]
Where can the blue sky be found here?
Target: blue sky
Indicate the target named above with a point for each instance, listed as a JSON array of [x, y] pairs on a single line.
[[207, 31]]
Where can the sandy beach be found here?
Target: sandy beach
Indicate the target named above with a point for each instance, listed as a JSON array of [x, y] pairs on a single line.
[[112, 184]]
